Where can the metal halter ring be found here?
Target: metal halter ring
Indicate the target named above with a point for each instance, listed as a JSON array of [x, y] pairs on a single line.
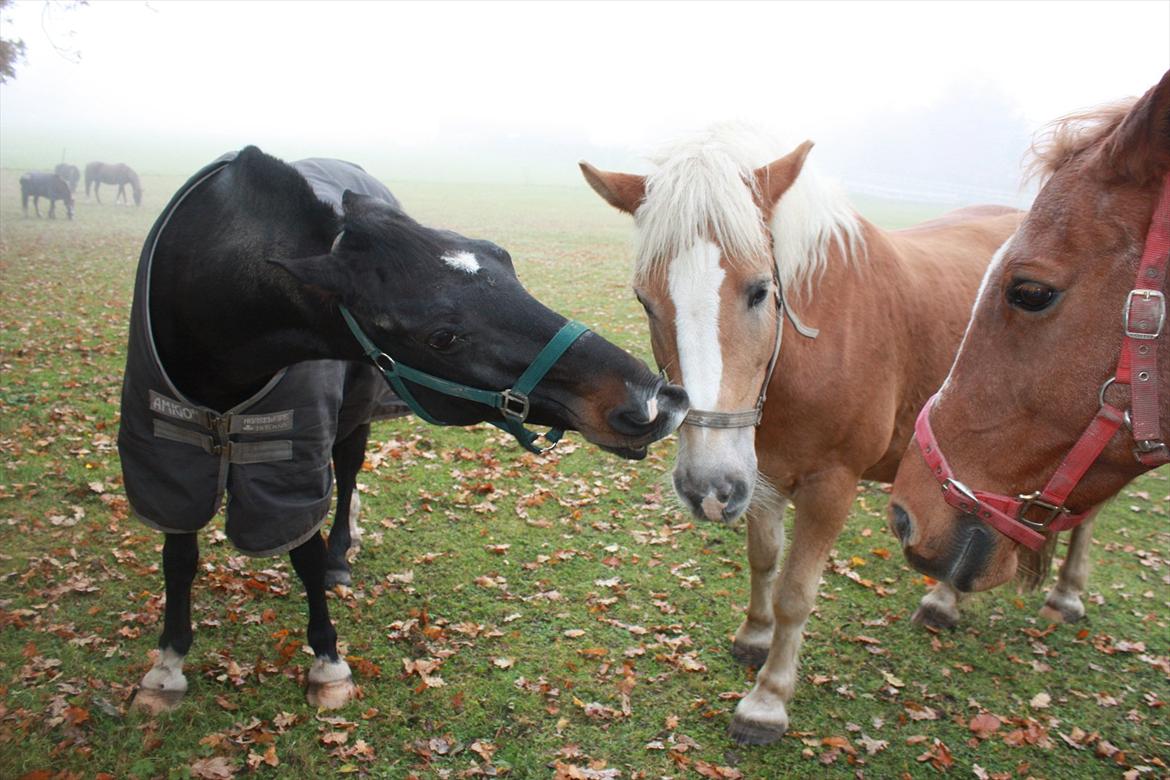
[[1101, 400]]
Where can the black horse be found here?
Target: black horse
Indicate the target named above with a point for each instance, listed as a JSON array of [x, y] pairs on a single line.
[[99, 173], [252, 268], [70, 174], [45, 185]]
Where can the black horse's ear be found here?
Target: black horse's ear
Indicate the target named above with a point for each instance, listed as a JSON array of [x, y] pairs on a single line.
[[322, 274], [354, 202]]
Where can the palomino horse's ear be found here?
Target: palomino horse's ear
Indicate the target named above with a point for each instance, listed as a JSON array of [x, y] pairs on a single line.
[[623, 191], [1139, 150], [774, 179], [322, 274]]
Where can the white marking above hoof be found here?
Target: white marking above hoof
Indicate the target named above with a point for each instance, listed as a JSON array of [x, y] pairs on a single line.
[[330, 684]]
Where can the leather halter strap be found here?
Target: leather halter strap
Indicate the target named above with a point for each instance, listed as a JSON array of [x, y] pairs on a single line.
[[750, 418], [1144, 318]]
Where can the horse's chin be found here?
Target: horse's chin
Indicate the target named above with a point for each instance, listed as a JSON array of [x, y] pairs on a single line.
[[629, 453]]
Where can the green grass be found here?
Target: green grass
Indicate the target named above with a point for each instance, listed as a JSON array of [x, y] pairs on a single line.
[[598, 639]]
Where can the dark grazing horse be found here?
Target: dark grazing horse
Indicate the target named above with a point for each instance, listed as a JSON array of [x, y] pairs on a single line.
[[249, 271], [70, 174], [45, 185], [99, 173]]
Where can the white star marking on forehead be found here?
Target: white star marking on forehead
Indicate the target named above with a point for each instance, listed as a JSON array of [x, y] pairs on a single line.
[[462, 261]]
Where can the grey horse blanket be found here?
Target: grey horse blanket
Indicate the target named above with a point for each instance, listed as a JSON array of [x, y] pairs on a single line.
[[270, 454]]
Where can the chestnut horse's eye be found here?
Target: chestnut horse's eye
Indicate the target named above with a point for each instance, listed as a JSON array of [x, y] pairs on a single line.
[[645, 306], [441, 339], [1031, 296], [758, 294]]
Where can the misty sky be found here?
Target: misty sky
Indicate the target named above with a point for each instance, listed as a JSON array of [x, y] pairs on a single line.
[[900, 95]]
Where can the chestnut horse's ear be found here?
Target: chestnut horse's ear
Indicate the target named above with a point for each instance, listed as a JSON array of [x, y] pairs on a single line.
[[1139, 150], [623, 191], [774, 179]]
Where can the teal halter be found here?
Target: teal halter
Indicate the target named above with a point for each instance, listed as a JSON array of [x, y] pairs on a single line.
[[512, 404]]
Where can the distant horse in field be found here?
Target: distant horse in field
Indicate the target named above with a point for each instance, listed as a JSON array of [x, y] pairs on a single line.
[[70, 174], [727, 244], [99, 173], [45, 185], [264, 292], [1060, 393]]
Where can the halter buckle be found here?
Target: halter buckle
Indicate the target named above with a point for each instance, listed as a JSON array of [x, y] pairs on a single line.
[[1151, 316], [514, 406], [1033, 501]]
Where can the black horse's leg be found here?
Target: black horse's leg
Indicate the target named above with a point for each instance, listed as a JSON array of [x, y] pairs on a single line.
[[52, 208], [164, 685], [348, 456], [97, 191], [330, 684], [121, 196], [37, 205]]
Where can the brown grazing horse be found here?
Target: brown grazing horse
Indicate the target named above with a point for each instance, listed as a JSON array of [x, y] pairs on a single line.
[[99, 173], [727, 244], [1052, 405]]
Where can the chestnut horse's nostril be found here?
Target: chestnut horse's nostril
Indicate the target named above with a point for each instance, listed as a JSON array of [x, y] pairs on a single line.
[[901, 523]]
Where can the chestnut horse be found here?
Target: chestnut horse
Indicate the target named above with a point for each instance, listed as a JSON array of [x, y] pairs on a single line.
[[726, 246], [1068, 335]]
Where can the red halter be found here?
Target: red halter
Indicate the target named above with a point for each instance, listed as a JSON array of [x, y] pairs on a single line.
[[1143, 318]]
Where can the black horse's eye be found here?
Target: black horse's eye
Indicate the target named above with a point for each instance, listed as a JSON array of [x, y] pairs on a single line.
[[441, 339], [1031, 296], [758, 294]]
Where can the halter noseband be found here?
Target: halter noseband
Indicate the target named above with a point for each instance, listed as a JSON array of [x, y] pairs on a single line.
[[750, 418], [1143, 319], [512, 404]]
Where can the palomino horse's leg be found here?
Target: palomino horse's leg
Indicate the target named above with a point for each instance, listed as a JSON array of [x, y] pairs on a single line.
[[330, 684], [940, 607], [821, 508], [164, 685], [348, 456], [1063, 604], [765, 542]]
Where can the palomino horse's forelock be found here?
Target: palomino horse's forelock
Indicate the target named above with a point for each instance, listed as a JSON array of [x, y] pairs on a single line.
[[704, 189]]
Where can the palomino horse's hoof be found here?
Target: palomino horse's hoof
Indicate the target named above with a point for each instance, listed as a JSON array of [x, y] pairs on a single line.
[[748, 732], [1062, 613], [748, 655], [930, 616], [155, 701], [330, 695]]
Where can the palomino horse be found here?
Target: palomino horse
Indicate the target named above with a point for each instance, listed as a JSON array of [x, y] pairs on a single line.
[[1053, 403], [99, 173], [726, 246], [256, 266]]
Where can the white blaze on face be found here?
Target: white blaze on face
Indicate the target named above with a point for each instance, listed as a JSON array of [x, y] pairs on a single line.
[[694, 280], [462, 261]]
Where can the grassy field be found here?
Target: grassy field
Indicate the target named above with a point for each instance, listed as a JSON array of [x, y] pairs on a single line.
[[511, 615]]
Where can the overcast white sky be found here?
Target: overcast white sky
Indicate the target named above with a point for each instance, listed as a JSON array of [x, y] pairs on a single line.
[[486, 86]]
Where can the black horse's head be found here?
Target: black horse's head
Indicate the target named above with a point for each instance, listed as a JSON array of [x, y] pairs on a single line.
[[61, 189], [453, 307]]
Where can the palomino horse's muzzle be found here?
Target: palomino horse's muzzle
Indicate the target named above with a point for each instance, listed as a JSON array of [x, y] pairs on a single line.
[[750, 418]]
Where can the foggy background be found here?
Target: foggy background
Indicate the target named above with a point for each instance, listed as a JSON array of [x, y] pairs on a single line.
[[921, 101]]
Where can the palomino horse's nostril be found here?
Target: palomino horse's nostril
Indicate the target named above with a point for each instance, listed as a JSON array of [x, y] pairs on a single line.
[[901, 524]]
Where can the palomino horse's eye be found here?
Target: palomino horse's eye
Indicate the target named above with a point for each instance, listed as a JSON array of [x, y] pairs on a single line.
[[441, 339], [1031, 296], [758, 295]]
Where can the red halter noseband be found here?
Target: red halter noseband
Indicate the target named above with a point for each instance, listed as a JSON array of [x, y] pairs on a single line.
[[1143, 318]]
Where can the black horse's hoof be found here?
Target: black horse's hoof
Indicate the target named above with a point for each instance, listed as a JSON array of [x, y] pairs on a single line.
[[747, 732], [749, 655], [930, 616], [337, 576]]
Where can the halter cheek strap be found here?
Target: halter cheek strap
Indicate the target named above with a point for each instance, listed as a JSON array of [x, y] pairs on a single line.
[[1144, 320], [512, 404]]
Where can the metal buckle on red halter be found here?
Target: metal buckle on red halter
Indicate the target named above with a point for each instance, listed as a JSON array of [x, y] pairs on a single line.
[[1143, 319]]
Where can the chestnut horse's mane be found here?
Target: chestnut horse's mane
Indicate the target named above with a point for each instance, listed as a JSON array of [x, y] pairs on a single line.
[[1071, 135], [704, 188]]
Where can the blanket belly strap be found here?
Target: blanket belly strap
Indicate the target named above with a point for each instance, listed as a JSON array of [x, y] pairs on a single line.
[[235, 451]]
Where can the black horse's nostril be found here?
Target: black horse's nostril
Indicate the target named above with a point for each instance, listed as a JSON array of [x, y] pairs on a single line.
[[901, 524]]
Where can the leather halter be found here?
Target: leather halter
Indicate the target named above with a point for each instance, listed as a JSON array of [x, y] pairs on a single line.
[[1143, 318], [750, 418]]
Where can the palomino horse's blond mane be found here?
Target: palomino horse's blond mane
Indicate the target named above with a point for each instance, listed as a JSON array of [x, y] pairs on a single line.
[[704, 188], [1070, 135]]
